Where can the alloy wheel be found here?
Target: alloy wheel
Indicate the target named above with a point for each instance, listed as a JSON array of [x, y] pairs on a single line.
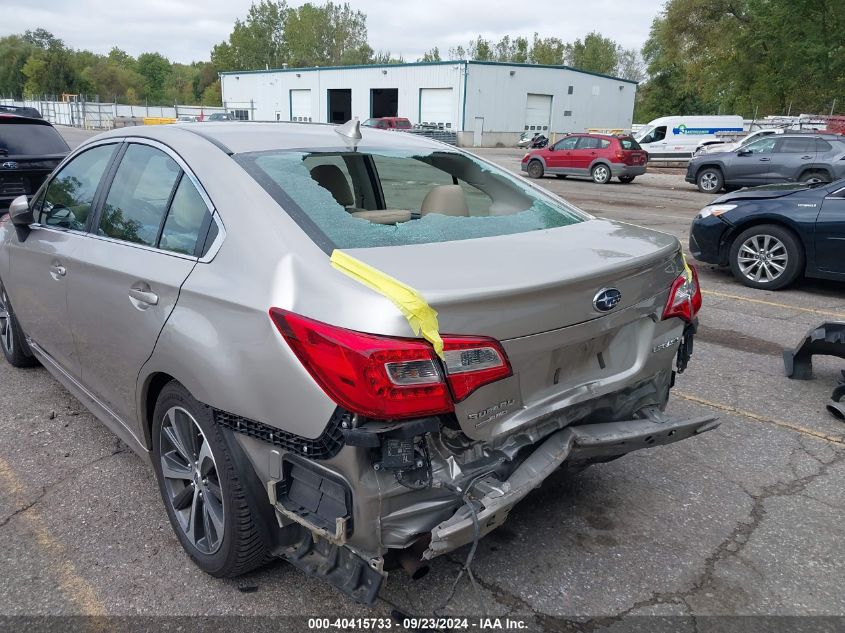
[[7, 339], [762, 258], [191, 480], [709, 181], [601, 174]]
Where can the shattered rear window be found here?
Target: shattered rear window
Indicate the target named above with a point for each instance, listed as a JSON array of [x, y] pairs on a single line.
[[360, 199]]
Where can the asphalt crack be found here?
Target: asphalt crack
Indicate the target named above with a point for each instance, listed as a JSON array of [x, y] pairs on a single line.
[[73, 474]]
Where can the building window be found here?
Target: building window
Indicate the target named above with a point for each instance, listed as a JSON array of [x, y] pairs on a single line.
[[241, 115], [571, 90], [567, 113]]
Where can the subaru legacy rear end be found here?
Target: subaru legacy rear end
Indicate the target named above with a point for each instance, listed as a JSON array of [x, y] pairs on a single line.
[[561, 335]]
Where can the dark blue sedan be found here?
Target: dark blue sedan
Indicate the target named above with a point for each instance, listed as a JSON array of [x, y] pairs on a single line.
[[771, 235]]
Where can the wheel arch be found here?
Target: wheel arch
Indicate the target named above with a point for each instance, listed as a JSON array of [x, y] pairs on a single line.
[[704, 166], [150, 392], [730, 236], [817, 168]]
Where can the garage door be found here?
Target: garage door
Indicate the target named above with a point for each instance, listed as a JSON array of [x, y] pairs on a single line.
[[300, 105], [538, 113], [437, 107]]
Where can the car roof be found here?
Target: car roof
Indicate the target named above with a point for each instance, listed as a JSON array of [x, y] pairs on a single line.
[[238, 137], [17, 118]]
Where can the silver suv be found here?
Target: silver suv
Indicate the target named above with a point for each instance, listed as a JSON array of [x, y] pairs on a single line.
[[787, 157], [350, 352]]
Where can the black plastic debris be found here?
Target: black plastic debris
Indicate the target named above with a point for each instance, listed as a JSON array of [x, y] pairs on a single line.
[[827, 339]]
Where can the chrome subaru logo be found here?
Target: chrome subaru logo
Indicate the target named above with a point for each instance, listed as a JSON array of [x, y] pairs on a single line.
[[607, 299], [9, 164]]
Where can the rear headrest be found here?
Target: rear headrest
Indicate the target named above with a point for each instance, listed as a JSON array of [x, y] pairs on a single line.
[[331, 177], [445, 199]]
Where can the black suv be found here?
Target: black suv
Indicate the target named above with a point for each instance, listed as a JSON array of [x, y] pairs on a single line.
[[30, 149], [772, 159]]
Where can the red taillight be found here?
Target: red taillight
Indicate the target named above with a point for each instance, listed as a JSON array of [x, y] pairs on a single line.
[[471, 362], [621, 155], [684, 297], [390, 378]]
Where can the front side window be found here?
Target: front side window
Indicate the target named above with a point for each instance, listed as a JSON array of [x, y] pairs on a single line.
[[568, 143], [654, 135], [763, 146], [70, 193], [419, 196], [140, 192]]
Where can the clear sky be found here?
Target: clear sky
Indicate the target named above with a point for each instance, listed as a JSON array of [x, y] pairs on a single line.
[[185, 30]]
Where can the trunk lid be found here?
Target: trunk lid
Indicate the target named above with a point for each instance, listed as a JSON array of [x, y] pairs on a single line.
[[518, 285], [535, 292], [23, 175]]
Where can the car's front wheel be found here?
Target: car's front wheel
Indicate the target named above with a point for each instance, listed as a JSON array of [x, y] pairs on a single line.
[[710, 180], [767, 257], [535, 169], [12, 340], [207, 495]]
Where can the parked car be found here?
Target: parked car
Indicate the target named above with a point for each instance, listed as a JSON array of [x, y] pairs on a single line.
[[389, 123], [787, 157], [772, 235], [714, 146], [187, 118], [597, 156], [29, 150], [225, 299], [27, 111], [219, 116], [677, 137]]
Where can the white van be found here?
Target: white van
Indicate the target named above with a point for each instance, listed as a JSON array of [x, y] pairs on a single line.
[[677, 137]]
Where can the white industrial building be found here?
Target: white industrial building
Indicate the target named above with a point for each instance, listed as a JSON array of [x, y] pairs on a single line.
[[485, 103]]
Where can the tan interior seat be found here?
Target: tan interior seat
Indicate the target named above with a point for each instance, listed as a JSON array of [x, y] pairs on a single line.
[[445, 199], [384, 216], [331, 177]]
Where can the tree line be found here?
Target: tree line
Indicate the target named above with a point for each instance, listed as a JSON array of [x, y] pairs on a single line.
[[748, 57]]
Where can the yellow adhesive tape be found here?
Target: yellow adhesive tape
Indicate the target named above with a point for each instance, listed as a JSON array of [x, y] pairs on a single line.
[[687, 270], [421, 316]]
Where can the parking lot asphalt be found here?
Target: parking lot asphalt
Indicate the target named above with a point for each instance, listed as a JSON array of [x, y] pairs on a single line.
[[746, 519]]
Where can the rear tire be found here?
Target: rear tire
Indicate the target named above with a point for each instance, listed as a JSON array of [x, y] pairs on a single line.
[[206, 488], [710, 180], [12, 340], [535, 169], [768, 257], [626, 179], [601, 174], [814, 175]]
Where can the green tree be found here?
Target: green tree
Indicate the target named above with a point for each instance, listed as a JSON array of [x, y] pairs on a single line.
[[50, 71], [156, 71], [431, 56], [594, 53], [14, 53], [256, 42], [550, 51], [326, 35]]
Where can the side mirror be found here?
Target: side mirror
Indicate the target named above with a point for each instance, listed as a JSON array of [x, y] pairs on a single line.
[[744, 152], [551, 148], [21, 216]]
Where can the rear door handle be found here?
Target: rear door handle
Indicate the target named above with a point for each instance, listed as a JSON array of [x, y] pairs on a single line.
[[144, 296], [764, 160], [806, 157]]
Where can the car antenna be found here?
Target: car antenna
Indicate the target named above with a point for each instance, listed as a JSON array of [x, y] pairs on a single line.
[[351, 132]]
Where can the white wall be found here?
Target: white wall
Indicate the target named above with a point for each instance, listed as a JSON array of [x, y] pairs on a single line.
[[270, 90], [499, 97]]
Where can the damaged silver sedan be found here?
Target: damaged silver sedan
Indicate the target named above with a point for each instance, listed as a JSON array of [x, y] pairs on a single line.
[[352, 351]]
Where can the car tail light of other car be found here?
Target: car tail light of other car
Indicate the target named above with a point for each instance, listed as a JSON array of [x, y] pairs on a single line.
[[684, 297], [391, 378]]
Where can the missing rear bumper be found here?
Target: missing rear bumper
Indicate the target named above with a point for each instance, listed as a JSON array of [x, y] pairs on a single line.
[[575, 443]]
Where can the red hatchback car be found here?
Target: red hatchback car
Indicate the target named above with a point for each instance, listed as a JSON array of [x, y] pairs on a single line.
[[598, 156]]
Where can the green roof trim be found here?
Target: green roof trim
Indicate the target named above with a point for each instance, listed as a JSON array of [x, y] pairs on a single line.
[[408, 64]]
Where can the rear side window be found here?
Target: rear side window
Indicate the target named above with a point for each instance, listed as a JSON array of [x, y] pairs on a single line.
[[403, 124], [629, 143], [796, 145], [186, 219], [591, 142], [821, 146], [139, 194], [28, 139], [70, 193]]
